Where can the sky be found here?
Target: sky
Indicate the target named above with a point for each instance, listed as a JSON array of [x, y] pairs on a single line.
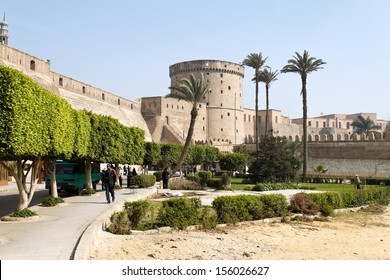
[[126, 47]]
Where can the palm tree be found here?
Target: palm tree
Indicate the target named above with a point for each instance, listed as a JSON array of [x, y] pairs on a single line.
[[267, 76], [362, 125], [255, 61], [303, 65], [193, 91]]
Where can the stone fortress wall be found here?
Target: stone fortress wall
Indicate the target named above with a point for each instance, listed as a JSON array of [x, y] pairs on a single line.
[[222, 121], [80, 95]]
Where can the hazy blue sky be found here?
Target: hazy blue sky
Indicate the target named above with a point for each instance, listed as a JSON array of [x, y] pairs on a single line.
[[126, 47]]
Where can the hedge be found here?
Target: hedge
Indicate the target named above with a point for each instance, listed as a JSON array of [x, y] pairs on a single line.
[[143, 180]]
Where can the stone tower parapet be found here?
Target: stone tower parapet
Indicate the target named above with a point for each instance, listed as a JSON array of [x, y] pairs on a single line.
[[223, 115]]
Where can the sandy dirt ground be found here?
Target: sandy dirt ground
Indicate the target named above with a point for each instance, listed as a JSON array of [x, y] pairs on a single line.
[[347, 236]]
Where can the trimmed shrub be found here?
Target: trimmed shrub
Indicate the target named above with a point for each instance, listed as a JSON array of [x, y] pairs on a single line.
[[120, 223], [207, 218], [302, 203], [143, 180], [233, 209], [50, 201], [213, 183], [193, 178], [204, 176], [24, 213], [88, 191], [225, 181], [136, 212], [179, 212], [158, 175]]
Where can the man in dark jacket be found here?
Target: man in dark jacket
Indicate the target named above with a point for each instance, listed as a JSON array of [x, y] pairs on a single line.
[[110, 179], [165, 178]]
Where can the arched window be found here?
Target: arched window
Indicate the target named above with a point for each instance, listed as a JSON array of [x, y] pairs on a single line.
[[167, 119], [61, 82], [83, 89], [119, 101], [103, 97], [32, 65]]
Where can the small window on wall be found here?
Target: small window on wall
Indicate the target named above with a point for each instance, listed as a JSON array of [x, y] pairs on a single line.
[[309, 123], [167, 105], [229, 88], [103, 97], [61, 82], [221, 90], [83, 89], [221, 116], [221, 129], [221, 75], [131, 106], [119, 101], [32, 65], [228, 114]]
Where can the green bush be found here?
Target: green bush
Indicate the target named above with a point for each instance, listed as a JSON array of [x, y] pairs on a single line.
[[207, 218], [143, 180], [204, 176], [88, 191], [233, 209], [137, 211], [193, 178], [120, 223], [225, 181], [24, 213], [302, 203], [179, 212], [261, 187], [158, 175], [52, 201], [213, 183]]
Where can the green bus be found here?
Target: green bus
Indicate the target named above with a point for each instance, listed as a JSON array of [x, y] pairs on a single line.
[[71, 177]]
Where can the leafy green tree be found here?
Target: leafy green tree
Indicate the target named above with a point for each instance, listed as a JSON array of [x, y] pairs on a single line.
[[267, 76], [212, 155], [232, 162], [303, 65], [362, 125], [62, 127], [24, 132], [170, 154], [196, 155], [255, 61], [152, 153], [193, 91], [275, 160]]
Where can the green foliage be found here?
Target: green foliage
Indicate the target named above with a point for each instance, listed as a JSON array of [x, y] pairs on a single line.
[[24, 213], [207, 218], [261, 187], [203, 177], [143, 180], [225, 181], [179, 212], [152, 153], [274, 161], [88, 191], [82, 134], [120, 223], [196, 155], [232, 162], [170, 154], [136, 212], [50, 201], [302, 203], [158, 175], [183, 184]]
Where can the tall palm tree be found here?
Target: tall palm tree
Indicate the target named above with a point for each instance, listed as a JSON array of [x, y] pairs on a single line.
[[255, 61], [362, 125], [303, 65], [193, 91], [267, 76]]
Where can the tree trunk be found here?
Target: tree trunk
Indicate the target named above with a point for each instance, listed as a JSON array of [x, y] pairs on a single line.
[[304, 140], [50, 167], [25, 193], [88, 176], [194, 114], [257, 111], [266, 109]]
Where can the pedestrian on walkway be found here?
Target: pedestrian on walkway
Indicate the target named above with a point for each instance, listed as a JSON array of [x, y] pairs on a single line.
[[110, 179], [165, 178]]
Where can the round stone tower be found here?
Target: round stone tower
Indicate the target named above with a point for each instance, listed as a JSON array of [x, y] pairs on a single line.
[[224, 113], [4, 32]]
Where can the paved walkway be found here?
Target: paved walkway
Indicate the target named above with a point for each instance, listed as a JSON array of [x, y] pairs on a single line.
[[62, 232]]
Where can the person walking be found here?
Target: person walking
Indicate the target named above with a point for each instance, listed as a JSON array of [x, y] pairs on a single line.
[[110, 179], [165, 178]]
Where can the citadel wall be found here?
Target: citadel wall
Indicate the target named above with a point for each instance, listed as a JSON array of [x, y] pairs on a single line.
[[80, 95]]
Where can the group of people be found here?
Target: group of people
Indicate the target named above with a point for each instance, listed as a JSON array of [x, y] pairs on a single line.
[[110, 178]]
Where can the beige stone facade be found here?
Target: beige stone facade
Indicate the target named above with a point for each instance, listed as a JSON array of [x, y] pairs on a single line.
[[222, 121]]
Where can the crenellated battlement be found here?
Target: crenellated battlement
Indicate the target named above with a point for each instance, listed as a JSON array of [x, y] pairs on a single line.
[[344, 137]]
